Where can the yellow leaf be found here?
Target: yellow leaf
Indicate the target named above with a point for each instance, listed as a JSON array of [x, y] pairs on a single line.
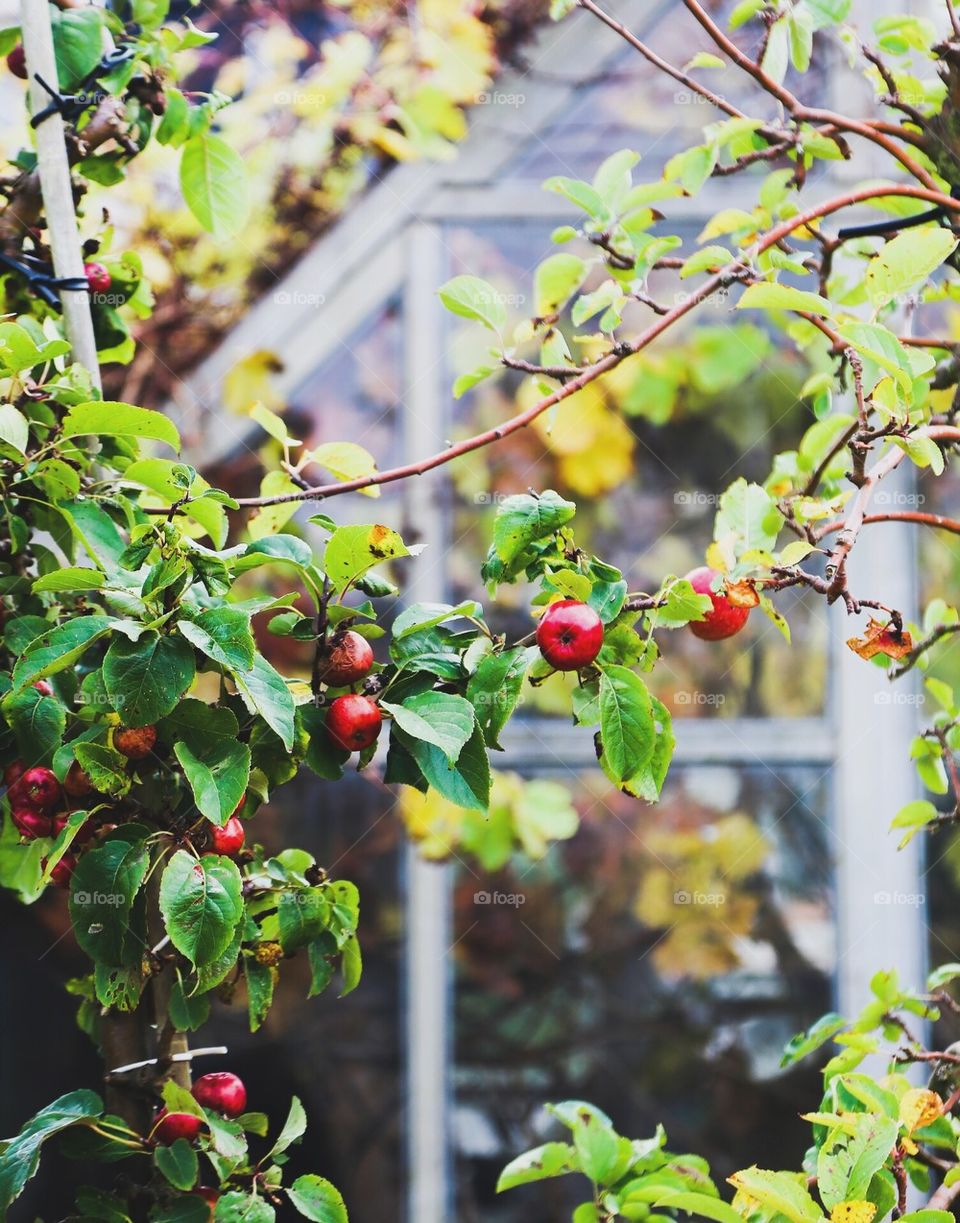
[[345, 461], [273, 518], [853, 1212], [250, 381], [919, 1107]]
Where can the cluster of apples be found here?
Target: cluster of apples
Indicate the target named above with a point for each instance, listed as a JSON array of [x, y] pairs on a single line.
[[570, 633], [353, 720], [221, 1092]]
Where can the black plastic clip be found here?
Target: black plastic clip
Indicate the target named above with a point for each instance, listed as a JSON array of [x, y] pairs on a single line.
[[41, 280]]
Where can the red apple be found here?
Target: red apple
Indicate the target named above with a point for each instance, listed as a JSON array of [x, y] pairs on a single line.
[[347, 658], [38, 787], [62, 873], [135, 742], [77, 782], [354, 722], [98, 277], [17, 61], [44, 687], [570, 635], [222, 1092], [228, 839], [726, 619], [31, 823], [171, 1126]]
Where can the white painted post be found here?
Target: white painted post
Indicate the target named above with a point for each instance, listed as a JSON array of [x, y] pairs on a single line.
[[428, 884], [54, 170]]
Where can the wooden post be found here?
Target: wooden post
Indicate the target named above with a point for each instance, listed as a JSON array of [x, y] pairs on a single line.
[[54, 170]]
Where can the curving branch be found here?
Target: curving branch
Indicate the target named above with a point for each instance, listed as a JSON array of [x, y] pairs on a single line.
[[727, 275]]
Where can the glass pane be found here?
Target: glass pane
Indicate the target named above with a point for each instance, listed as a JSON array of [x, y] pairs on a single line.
[[635, 107], [355, 394], [654, 968], [646, 458]]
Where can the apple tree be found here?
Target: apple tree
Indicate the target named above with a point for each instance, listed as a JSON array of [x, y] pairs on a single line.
[[143, 726]]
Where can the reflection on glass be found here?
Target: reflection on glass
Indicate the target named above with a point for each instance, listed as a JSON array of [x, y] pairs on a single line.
[[355, 394], [645, 455], [632, 107], [655, 966]]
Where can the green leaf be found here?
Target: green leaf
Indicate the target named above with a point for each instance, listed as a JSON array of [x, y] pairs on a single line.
[[188, 1011], [846, 1163], [104, 887], [429, 615], [260, 980], [178, 1163], [237, 1207], [317, 1199], [303, 913], [805, 1043], [78, 43], [440, 718], [541, 1163], [779, 1191], [146, 679], [906, 261], [597, 1146], [771, 295], [353, 550], [466, 783], [748, 519], [473, 298], [912, 818], [293, 1130], [223, 634], [693, 1203], [213, 179], [708, 259], [61, 580], [494, 689], [201, 903], [523, 519], [555, 280], [627, 728], [14, 428], [38, 722], [59, 648], [20, 1156], [264, 691], [119, 420], [106, 766], [218, 772]]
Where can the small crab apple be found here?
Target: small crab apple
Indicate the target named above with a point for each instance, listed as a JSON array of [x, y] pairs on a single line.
[[570, 635], [62, 873], [210, 1195], [44, 687], [31, 823], [17, 61], [222, 1091], [135, 742], [98, 277], [725, 619], [83, 834], [229, 838], [77, 783], [171, 1126], [354, 722], [347, 658], [39, 788]]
